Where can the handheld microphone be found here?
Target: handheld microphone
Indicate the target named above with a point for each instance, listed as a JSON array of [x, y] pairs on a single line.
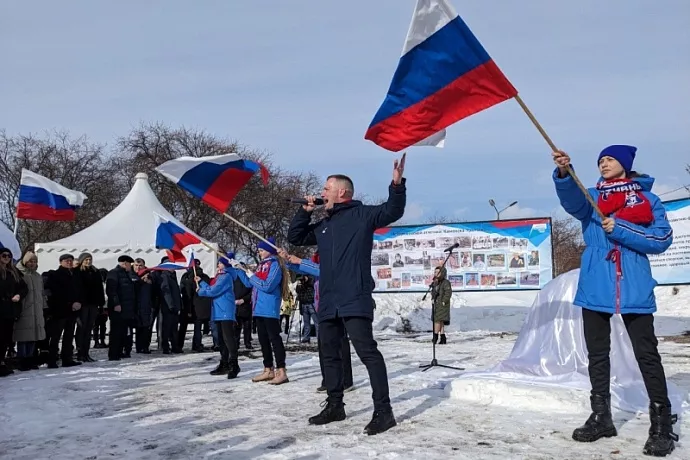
[[450, 248], [317, 201]]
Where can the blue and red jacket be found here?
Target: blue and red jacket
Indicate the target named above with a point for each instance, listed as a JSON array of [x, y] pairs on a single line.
[[266, 283], [223, 294], [615, 274]]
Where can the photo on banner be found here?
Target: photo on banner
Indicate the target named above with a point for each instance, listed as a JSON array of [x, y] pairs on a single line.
[[673, 266], [491, 255]]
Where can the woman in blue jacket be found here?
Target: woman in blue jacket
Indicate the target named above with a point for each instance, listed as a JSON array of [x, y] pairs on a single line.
[[270, 286], [222, 291], [616, 278]]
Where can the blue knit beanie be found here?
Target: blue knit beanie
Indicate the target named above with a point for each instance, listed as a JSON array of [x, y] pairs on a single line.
[[266, 247], [624, 154], [226, 260]]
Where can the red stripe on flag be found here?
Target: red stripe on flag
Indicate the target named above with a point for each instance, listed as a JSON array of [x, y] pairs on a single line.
[[221, 193], [42, 212], [477, 90]]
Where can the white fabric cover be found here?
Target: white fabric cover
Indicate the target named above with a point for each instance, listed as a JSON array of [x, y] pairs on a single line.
[[129, 229], [551, 351]]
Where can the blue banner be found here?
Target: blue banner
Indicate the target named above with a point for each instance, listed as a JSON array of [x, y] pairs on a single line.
[[673, 266], [504, 254]]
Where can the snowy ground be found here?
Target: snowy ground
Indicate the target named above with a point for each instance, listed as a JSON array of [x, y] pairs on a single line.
[[169, 407]]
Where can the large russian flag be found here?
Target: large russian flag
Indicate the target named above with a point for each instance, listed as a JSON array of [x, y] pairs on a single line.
[[173, 238], [42, 199], [215, 180], [443, 76]]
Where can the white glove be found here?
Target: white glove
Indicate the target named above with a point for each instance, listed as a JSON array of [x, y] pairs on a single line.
[[235, 264]]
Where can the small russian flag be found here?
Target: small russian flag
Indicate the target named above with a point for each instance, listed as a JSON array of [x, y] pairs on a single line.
[[173, 237]]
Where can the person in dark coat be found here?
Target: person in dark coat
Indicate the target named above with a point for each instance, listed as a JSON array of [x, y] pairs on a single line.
[[145, 299], [121, 289], [64, 303], [441, 292], [243, 324], [93, 298], [344, 239], [13, 290], [192, 303], [101, 318], [170, 305]]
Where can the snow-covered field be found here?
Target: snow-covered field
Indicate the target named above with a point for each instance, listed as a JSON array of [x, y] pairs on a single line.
[[169, 407]]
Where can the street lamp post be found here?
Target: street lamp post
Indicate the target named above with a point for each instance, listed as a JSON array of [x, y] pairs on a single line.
[[492, 203]]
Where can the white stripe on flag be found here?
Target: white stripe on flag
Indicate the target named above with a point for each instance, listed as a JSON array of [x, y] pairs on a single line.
[[73, 197], [175, 169], [429, 17]]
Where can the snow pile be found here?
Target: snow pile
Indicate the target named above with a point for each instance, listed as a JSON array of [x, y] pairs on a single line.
[[548, 363], [505, 311], [470, 311]]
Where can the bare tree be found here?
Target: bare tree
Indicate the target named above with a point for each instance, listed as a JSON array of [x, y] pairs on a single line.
[[567, 245], [75, 163], [260, 207]]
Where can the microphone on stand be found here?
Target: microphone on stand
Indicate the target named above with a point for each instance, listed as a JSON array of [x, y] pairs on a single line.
[[450, 248], [317, 201]]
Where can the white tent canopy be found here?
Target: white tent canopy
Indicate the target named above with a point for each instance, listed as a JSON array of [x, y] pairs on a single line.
[[129, 229]]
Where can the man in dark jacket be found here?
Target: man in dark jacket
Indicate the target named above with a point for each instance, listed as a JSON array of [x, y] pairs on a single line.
[[121, 289], [243, 300], [64, 304], [170, 301], [195, 308], [344, 239], [145, 300]]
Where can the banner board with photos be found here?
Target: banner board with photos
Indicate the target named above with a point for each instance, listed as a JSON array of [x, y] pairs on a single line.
[[494, 255], [673, 266]]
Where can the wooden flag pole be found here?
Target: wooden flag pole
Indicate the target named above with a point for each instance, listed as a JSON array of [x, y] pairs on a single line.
[[250, 231], [555, 149], [194, 268], [211, 248]]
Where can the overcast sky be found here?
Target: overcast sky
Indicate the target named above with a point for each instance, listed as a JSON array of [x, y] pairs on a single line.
[[303, 79]]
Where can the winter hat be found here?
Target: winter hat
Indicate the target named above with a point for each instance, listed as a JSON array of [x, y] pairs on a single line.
[[6, 251], [266, 247], [624, 154], [28, 256], [165, 259], [83, 256], [226, 260], [66, 257], [125, 258]]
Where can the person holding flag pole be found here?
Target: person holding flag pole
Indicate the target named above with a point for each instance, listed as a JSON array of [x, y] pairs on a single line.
[[445, 75]]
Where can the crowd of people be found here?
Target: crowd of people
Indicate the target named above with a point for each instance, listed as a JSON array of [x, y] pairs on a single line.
[[625, 223]]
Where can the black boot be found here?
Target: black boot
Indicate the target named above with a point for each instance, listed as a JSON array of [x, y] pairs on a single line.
[[382, 420], [599, 424], [661, 435], [24, 365], [222, 368], [443, 339], [332, 412], [5, 371], [435, 338], [70, 363], [233, 369]]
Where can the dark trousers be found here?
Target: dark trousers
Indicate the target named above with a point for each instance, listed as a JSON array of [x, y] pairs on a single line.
[[61, 327], [100, 327], [182, 330], [270, 341], [87, 315], [6, 331], [169, 330], [143, 338], [347, 362], [285, 318], [243, 327], [118, 335], [228, 344], [361, 334], [597, 329]]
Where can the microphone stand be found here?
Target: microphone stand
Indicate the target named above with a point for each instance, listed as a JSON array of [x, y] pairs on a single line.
[[434, 361]]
